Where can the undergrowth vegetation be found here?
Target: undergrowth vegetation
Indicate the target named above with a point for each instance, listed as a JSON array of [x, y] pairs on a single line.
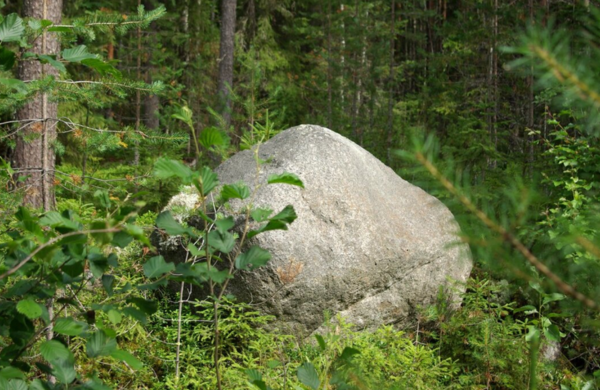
[[87, 301]]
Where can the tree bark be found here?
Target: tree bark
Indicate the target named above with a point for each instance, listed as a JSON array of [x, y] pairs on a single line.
[[392, 78], [152, 102], [34, 152], [228, 18]]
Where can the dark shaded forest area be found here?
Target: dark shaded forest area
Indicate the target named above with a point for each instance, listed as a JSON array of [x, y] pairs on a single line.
[[108, 107]]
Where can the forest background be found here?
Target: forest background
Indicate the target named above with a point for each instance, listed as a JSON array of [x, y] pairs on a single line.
[[500, 97]]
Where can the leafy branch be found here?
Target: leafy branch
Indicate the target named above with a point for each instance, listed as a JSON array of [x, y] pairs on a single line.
[[53, 241]]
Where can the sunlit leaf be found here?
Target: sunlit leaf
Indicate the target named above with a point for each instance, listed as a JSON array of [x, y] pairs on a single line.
[[286, 178], [29, 308], [128, 358], [53, 350], [99, 344], [69, 327], [157, 267], [77, 54], [307, 374], [234, 191], [11, 28]]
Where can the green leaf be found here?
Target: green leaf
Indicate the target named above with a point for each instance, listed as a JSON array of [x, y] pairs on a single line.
[[218, 276], [195, 251], [255, 257], [536, 286], [260, 215], [51, 59], [234, 191], [533, 336], [53, 350], [287, 215], [223, 242], [321, 342], [286, 178], [29, 308], [15, 84], [184, 114], [7, 59], [529, 308], [308, 376], [37, 384], [166, 222], [77, 54], [212, 273], [128, 358], [157, 267], [552, 333], [146, 306], [348, 353], [278, 222], [11, 29], [10, 372], [553, 298], [255, 378], [165, 168], [103, 68], [207, 181], [107, 282], [211, 136], [224, 224], [15, 384], [114, 316], [34, 24], [135, 314], [121, 239], [253, 375], [64, 371], [102, 198], [69, 327], [152, 286], [56, 220], [99, 344]]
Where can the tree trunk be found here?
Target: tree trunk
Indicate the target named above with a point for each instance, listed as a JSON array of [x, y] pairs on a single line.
[[138, 96], [34, 152], [228, 8], [329, 70], [392, 78], [151, 102]]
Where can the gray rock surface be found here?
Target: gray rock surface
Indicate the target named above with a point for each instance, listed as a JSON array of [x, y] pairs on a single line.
[[367, 244]]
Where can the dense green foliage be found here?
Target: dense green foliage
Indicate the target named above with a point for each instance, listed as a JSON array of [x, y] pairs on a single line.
[[491, 106]]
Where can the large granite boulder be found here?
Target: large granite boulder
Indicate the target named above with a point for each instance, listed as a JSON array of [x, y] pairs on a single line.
[[367, 244]]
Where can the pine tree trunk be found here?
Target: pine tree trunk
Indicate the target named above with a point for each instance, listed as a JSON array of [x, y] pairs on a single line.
[[34, 152], [228, 9], [390, 121], [151, 102], [329, 70], [138, 96]]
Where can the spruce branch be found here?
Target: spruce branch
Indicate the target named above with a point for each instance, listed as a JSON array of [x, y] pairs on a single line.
[[116, 20], [508, 237], [565, 75]]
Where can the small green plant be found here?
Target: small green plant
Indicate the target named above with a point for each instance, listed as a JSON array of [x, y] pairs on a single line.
[[543, 317], [342, 358], [216, 250], [46, 263], [484, 339]]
